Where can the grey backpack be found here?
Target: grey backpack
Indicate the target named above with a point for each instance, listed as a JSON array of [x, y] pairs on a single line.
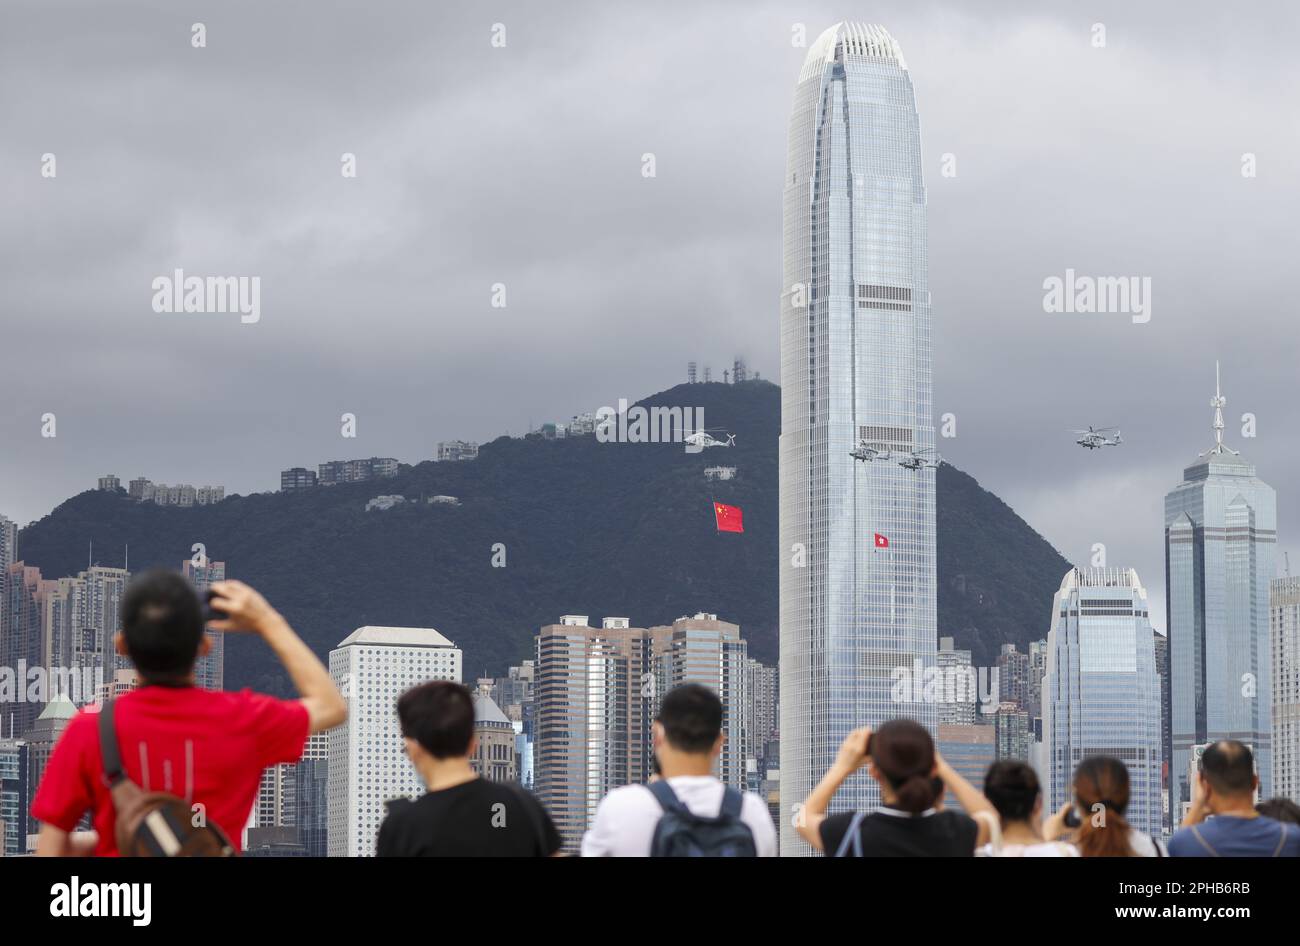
[[682, 833]]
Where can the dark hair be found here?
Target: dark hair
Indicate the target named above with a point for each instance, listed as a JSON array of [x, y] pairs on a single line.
[[903, 753], [1280, 809], [162, 623], [439, 716], [1101, 780], [1229, 767], [1012, 787], [691, 715]]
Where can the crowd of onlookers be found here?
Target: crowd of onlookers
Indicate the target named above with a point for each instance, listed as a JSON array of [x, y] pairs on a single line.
[[171, 769]]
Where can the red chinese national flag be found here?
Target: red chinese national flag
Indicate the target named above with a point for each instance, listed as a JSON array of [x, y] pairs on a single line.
[[730, 518], [882, 542]]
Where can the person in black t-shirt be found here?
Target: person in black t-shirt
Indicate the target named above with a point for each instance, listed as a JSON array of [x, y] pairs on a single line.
[[461, 815], [912, 775]]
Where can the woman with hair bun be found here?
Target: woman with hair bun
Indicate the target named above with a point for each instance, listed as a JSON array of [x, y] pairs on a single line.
[[901, 756]]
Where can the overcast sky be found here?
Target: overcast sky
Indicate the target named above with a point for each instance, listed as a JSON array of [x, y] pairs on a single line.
[[522, 165]]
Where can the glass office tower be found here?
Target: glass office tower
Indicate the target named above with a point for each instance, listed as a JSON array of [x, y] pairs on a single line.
[[857, 611], [1220, 543], [1101, 694]]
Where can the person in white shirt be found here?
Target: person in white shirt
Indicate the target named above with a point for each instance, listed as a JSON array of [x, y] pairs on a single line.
[[1013, 788], [687, 739]]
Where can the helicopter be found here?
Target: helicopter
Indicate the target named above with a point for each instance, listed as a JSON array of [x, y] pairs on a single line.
[[918, 460], [1095, 437], [702, 438], [867, 452]]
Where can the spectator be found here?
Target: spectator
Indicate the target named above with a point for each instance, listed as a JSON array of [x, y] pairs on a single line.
[[902, 758], [687, 807], [1101, 790], [1222, 821], [1280, 809], [461, 815], [1012, 787], [207, 747]]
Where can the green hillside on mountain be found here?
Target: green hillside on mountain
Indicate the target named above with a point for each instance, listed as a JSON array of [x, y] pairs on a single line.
[[591, 528]]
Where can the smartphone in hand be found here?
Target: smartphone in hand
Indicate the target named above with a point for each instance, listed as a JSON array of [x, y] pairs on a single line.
[[209, 612]]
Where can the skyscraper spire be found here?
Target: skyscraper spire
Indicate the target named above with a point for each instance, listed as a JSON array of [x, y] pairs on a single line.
[[1217, 403]]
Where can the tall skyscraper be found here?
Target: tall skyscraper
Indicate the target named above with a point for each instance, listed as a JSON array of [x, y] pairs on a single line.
[[594, 698], [701, 649], [1101, 695], [1220, 542], [1284, 609], [210, 671], [856, 366], [372, 667], [96, 618]]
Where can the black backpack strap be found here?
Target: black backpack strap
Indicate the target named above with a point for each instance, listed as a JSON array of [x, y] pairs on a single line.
[[108, 748], [664, 794], [732, 803]]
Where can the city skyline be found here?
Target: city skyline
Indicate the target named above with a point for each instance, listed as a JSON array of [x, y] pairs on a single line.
[[1080, 146], [377, 336]]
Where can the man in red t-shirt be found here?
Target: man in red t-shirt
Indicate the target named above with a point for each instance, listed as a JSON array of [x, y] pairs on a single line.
[[207, 747]]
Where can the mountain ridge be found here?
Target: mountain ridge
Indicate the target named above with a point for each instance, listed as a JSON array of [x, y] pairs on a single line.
[[603, 529]]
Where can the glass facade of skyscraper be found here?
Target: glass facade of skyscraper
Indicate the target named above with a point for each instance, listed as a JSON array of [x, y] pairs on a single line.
[[1220, 541], [1101, 694], [855, 367]]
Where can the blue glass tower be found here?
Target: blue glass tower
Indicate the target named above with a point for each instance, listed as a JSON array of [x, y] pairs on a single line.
[[857, 611], [1220, 544], [1101, 692]]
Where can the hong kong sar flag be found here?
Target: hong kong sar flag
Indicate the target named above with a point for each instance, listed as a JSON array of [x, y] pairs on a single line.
[[882, 542], [730, 518]]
